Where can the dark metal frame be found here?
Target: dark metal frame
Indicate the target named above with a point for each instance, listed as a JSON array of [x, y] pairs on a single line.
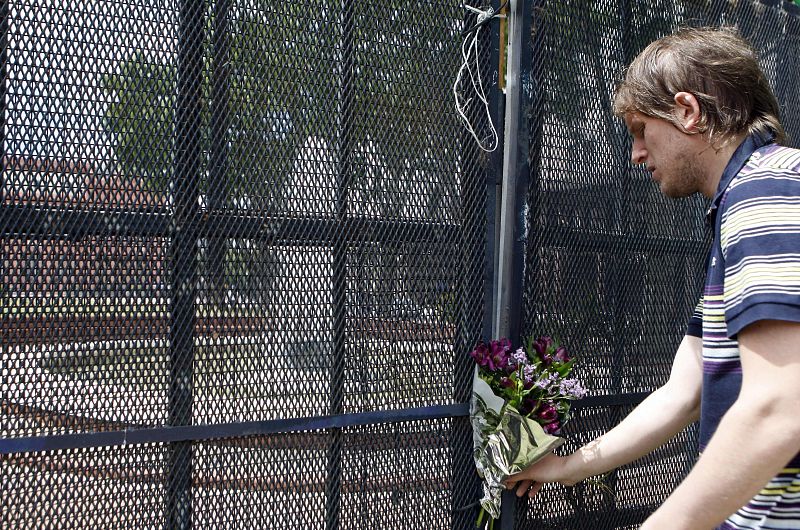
[[186, 227]]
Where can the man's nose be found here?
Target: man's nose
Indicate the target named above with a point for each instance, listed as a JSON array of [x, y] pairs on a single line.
[[638, 153]]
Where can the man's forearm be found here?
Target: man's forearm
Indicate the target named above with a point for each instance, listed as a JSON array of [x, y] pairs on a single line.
[[655, 421], [752, 444]]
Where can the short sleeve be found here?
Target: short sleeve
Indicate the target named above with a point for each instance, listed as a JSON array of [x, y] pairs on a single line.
[[760, 242], [695, 326]]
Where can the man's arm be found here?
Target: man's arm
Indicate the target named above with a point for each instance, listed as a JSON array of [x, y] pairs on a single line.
[[756, 438], [664, 413]]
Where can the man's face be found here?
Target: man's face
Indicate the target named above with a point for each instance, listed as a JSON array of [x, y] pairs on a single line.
[[668, 153]]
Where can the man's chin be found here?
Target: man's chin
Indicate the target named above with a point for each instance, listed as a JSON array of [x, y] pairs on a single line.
[[668, 189], [673, 193]]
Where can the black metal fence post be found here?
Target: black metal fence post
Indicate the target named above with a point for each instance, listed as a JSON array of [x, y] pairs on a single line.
[[333, 482], [183, 258], [517, 152], [4, 162], [482, 177]]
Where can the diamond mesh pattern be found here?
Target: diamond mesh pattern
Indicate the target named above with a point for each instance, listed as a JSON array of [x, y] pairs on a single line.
[[110, 487], [253, 213], [228, 212], [612, 267]]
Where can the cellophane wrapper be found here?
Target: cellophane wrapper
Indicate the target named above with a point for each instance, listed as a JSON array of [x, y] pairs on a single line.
[[504, 442]]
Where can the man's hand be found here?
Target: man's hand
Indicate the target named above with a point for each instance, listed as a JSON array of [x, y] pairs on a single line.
[[552, 468], [658, 418]]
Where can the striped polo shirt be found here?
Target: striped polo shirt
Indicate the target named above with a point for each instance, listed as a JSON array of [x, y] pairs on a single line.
[[752, 273]]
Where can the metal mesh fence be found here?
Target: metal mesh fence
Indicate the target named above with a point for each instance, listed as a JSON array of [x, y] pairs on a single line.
[[223, 224], [394, 474], [612, 267], [244, 254]]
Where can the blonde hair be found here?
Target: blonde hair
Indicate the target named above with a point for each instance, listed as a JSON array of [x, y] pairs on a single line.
[[718, 67]]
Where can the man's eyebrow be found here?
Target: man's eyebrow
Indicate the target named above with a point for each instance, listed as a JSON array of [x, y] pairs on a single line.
[[633, 123]]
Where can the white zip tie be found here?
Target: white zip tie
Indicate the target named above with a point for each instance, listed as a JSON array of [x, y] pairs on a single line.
[[469, 47]]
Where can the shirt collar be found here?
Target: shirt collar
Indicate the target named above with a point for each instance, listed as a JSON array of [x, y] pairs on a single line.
[[740, 157]]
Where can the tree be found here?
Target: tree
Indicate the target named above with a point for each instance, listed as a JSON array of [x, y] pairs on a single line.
[[253, 116], [366, 80]]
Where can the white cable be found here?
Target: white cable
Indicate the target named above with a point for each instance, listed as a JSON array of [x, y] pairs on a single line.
[[469, 47]]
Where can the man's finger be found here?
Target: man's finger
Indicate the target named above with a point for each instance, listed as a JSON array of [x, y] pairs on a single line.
[[523, 486], [535, 489]]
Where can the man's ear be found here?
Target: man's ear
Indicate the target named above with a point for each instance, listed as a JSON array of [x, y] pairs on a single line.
[[687, 111]]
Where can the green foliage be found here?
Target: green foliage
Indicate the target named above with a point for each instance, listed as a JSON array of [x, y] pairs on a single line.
[[285, 70], [366, 89], [141, 118], [264, 112]]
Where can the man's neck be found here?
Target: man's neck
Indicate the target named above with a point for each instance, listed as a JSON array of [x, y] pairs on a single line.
[[715, 160]]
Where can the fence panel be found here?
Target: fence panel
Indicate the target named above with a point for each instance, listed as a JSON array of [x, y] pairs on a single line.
[[611, 266], [243, 257], [245, 253]]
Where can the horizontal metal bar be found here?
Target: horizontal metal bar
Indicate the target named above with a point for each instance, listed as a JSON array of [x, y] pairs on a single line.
[[224, 430], [596, 241], [617, 400], [63, 223], [309, 231], [143, 435], [32, 222]]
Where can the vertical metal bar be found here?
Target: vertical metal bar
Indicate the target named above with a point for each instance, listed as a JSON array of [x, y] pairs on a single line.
[[5, 160], [511, 244], [495, 203], [536, 101], [333, 491], [479, 205], [183, 254], [225, 374], [513, 221]]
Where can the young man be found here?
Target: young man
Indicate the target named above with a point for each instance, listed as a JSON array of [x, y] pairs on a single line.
[[703, 119]]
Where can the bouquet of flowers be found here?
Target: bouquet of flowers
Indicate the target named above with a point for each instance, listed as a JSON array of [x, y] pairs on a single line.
[[520, 401]]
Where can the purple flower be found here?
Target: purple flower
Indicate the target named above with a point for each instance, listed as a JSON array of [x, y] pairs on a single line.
[[572, 388], [528, 371], [544, 349], [545, 382], [552, 428], [498, 358], [561, 355], [547, 413], [506, 382], [527, 406], [481, 354], [519, 357]]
